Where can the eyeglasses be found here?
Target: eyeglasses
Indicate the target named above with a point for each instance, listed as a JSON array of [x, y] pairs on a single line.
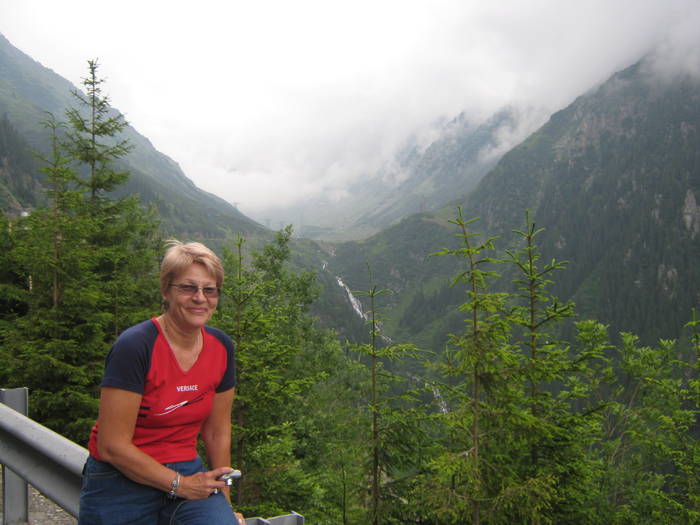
[[211, 292]]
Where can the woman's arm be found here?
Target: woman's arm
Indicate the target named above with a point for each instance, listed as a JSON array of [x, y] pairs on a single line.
[[117, 420], [216, 432]]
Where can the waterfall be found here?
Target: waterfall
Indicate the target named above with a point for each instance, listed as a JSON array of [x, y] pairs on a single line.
[[354, 301]]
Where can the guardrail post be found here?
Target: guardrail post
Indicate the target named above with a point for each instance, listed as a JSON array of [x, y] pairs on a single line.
[[15, 491]]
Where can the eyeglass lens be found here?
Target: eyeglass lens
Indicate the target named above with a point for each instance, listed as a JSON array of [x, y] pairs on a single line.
[[191, 289]]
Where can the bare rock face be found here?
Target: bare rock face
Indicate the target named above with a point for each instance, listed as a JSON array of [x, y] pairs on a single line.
[[691, 213]]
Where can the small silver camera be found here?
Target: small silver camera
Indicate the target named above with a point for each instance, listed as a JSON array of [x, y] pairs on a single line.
[[230, 476]]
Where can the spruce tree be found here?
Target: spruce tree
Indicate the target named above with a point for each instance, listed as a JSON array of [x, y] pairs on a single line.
[[123, 236], [651, 445], [87, 266], [557, 431], [477, 365], [395, 425], [517, 432], [51, 347], [264, 309], [94, 139]]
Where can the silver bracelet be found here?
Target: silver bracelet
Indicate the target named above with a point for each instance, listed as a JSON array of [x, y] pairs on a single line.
[[174, 486]]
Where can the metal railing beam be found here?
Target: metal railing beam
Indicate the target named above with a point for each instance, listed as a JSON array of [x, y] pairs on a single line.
[[47, 460], [289, 519]]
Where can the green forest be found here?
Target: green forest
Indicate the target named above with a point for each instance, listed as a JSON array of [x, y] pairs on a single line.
[[511, 422]]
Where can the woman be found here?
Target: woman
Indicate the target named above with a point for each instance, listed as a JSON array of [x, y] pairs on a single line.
[[166, 380]]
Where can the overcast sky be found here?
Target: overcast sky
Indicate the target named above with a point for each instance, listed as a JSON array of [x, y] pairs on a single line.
[[266, 102]]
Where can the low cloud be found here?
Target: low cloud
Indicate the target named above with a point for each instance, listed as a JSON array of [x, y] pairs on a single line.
[[679, 52], [535, 55], [525, 120], [268, 104]]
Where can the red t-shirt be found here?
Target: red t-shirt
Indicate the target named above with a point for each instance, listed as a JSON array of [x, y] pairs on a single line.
[[174, 403]]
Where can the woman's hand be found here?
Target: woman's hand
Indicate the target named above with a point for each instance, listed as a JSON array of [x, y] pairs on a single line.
[[241, 519], [202, 484]]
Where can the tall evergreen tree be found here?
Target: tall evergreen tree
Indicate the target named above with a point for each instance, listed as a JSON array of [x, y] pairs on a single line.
[[557, 433], [650, 447], [516, 447], [123, 237], [92, 124], [263, 308], [51, 348], [64, 211], [479, 364], [86, 265], [395, 423]]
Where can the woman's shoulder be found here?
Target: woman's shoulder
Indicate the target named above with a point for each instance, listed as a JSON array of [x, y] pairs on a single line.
[[220, 335], [143, 332], [129, 359]]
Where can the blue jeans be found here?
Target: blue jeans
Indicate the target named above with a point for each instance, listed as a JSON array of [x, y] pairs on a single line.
[[110, 498]]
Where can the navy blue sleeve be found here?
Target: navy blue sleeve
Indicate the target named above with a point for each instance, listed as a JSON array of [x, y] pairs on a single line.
[[129, 359], [229, 379]]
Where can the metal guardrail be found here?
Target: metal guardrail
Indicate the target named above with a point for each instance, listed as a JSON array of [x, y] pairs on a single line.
[[289, 519], [47, 460], [30, 452]]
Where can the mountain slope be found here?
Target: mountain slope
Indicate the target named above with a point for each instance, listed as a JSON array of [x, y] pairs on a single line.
[[615, 180], [28, 90], [451, 166], [419, 178]]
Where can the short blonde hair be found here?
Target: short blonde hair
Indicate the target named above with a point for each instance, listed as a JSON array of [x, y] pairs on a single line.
[[180, 256]]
